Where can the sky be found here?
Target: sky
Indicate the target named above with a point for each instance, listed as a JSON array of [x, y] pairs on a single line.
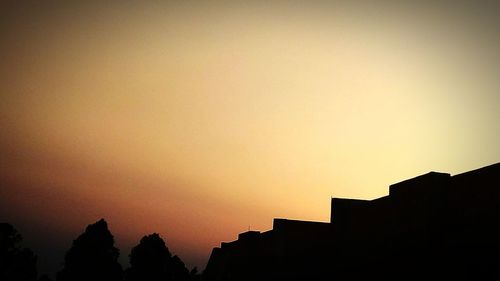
[[200, 120]]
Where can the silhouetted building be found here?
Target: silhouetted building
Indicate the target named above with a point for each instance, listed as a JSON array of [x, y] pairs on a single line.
[[429, 227]]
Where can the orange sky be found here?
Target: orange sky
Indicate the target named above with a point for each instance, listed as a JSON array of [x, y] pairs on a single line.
[[198, 121]]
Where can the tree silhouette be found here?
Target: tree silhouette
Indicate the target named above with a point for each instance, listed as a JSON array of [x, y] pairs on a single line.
[[194, 275], [179, 270], [16, 263], [152, 261], [93, 256]]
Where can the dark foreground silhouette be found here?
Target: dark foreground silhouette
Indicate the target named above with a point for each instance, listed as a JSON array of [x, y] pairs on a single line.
[[93, 256], [151, 260], [16, 263], [432, 227]]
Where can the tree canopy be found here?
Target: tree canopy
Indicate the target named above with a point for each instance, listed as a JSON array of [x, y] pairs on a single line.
[[16, 263], [152, 261], [92, 256]]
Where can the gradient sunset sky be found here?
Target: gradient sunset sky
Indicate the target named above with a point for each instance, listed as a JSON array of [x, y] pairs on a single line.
[[198, 120]]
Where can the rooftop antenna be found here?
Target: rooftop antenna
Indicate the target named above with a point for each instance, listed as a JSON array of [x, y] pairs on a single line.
[[249, 228]]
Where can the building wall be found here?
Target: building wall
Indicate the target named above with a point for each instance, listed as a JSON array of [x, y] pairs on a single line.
[[431, 226]]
